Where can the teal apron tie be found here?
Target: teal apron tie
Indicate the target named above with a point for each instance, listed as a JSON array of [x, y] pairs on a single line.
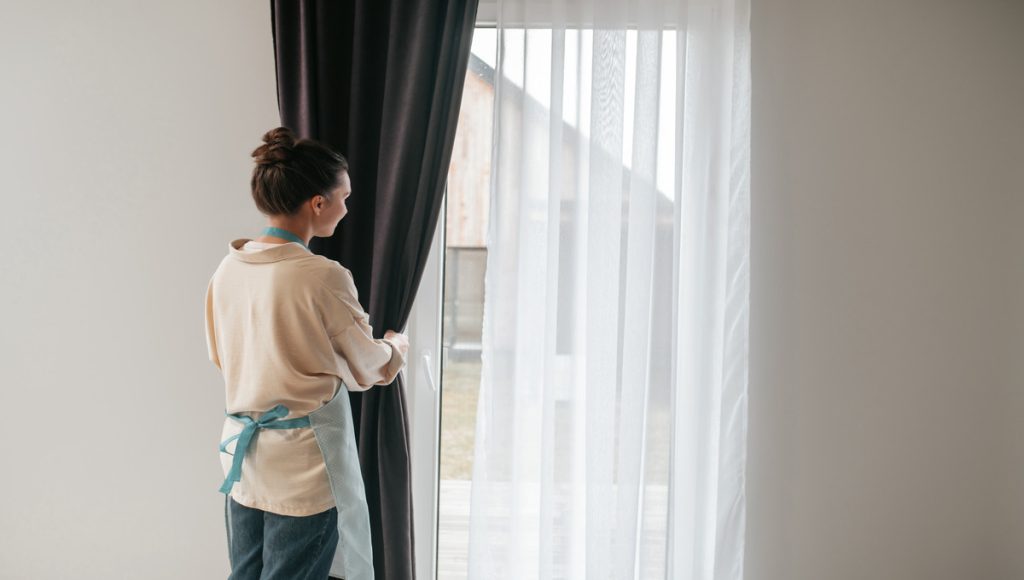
[[269, 420]]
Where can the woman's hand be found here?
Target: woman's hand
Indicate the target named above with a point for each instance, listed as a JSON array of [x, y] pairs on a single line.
[[399, 339]]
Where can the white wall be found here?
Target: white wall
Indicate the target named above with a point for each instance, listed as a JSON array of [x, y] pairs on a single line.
[[886, 394], [127, 129], [885, 382]]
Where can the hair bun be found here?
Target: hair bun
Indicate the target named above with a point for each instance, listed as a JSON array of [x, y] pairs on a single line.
[[277, 147]]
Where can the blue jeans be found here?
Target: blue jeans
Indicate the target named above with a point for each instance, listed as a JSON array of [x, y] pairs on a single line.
[[264, 545]]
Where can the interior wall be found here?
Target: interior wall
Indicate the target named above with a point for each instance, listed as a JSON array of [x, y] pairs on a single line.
[[885, 380], [1011, 440], [128, 129], [886, 327]]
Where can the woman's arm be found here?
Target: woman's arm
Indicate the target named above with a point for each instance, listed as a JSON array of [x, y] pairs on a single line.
[[211, 337], [372, 361]]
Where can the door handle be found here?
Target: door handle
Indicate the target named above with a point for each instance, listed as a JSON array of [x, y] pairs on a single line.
[[427, 369]]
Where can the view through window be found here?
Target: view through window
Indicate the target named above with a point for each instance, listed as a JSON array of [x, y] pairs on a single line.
[[465, 258], [527, 68]]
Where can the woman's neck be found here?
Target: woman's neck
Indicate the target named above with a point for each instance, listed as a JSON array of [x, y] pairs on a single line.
[[301, 231]]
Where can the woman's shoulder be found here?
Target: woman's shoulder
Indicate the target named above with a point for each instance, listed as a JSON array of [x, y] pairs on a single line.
[[315, 265], [335, 277], [339, 285]]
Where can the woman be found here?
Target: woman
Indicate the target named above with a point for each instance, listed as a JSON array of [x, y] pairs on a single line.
[[286, 329]]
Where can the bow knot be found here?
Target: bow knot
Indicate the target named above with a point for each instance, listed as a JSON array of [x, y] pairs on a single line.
[[269, 420]]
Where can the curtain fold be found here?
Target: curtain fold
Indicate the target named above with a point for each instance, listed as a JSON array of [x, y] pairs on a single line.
[[382, 83], [611, 423]]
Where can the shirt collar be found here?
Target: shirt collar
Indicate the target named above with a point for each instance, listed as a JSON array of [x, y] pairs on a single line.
[[272, 254]]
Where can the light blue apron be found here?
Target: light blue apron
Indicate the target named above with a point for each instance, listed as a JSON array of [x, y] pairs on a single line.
[[335, 434]]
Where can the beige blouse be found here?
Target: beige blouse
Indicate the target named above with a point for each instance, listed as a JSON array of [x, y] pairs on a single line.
[[285, 326]]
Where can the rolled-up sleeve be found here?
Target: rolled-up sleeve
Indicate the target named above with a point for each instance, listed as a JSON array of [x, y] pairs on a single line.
[[372, 361]]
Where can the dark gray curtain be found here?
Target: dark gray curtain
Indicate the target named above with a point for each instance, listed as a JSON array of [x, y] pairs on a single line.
[[381, 82]]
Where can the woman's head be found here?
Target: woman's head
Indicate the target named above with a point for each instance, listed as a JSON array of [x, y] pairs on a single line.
[[300, 178]]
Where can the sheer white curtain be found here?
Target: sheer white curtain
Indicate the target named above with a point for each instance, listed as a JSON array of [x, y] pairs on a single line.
[[611, 433]]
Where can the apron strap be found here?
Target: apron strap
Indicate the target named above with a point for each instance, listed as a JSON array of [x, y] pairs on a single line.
[[269, 420]]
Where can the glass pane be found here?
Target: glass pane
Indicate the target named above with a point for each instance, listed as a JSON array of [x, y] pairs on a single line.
[[465, 256]]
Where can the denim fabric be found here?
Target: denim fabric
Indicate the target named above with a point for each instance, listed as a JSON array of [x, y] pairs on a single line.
[[268, 546]]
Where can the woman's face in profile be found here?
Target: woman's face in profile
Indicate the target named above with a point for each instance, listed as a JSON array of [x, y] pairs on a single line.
[[336, 209]]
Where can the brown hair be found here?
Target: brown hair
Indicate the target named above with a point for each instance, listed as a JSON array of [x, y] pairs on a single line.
[[290, 171]]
